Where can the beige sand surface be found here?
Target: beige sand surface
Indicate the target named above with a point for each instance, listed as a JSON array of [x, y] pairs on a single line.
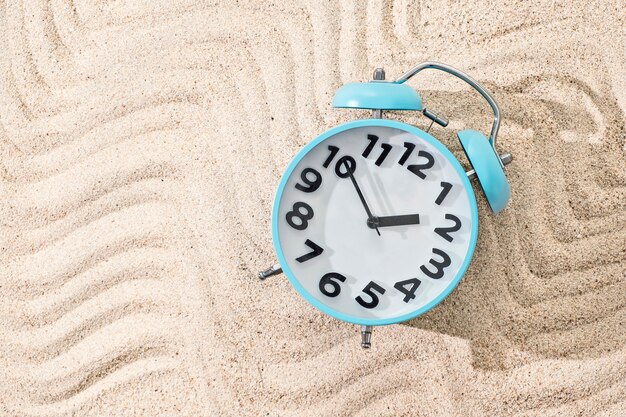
[[141, 144]]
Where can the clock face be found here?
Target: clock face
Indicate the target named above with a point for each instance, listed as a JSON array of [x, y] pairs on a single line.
[[374, 222]]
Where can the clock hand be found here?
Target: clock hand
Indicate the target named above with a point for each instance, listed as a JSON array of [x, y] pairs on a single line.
[[358, 191], [387, 221]]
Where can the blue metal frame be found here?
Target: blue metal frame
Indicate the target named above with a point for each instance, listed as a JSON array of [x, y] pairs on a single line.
[[362, 123], [377, 95]]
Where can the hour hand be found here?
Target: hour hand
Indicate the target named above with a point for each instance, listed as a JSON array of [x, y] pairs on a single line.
[[387, 221]]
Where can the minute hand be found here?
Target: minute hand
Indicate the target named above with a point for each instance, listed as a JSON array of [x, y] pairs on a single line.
[[403, 220], [362, 198]]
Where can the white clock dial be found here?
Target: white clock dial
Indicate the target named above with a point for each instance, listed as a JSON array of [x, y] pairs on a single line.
[[420, 202]]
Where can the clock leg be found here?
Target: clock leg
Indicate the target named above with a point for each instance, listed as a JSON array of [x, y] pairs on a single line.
[[366, 337], [272, 270]]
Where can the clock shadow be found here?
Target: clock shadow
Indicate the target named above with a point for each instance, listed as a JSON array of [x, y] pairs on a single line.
[[514, 302]]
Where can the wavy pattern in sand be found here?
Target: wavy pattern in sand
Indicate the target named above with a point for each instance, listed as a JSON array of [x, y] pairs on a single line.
[[141, 144]]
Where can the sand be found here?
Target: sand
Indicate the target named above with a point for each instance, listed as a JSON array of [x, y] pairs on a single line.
[[141, 145]]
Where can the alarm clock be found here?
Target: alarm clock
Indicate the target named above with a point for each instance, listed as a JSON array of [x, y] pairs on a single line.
[[374, 222]]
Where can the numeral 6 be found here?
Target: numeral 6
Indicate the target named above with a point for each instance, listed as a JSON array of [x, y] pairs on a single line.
[[327, 280]]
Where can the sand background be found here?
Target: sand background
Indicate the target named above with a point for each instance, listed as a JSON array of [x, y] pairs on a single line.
[[141, 143]]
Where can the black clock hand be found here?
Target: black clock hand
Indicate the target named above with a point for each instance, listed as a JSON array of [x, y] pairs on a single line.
[[386, 221], [358, 191]]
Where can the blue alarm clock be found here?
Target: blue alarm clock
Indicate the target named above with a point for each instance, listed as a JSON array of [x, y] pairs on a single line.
[[375, 221]]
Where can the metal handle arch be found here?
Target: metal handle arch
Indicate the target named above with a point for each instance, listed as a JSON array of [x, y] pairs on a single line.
[[469, 80]]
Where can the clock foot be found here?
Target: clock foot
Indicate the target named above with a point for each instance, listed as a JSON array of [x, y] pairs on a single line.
[[272, 270], [366, 337]]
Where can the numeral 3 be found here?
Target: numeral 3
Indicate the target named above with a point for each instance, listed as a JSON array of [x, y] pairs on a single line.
[[439, 265]]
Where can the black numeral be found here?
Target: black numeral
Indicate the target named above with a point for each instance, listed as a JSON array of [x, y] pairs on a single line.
[[317, 250], [409, 149], [327, 280], [409, 293], [369, 290], [418, 168], [446, 187], [310, 185], [439, 266], [386, 149], [444, 232], [303, 216], [333, 151], [373, 139], [341, 164]]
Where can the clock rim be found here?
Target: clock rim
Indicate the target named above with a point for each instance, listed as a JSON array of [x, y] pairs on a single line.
[[409, 129]]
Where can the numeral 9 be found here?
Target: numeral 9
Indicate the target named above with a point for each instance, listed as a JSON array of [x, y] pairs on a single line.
[[310, 185]]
